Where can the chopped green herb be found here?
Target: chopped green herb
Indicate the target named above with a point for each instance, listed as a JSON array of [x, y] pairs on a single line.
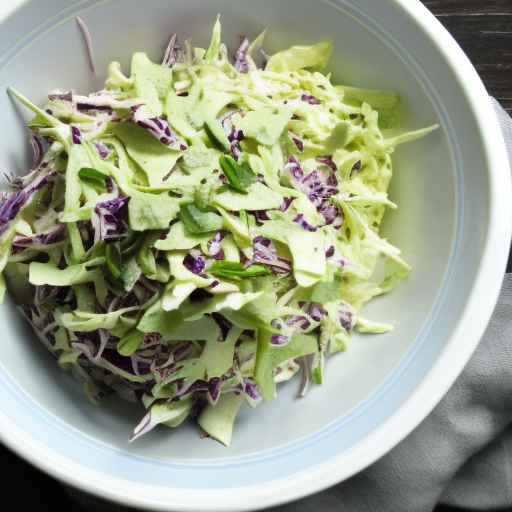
[[92, 176], [235, 270], [240, 176]]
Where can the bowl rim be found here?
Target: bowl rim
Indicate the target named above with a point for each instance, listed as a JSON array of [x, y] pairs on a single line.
[[457, 352]]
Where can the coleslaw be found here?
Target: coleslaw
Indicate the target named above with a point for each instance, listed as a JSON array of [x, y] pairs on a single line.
[[205, 228]]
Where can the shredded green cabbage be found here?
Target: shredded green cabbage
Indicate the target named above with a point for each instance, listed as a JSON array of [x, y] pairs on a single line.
[[202, 230]]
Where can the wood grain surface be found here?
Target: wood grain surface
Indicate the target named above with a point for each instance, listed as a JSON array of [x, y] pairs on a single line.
[[483, 28]]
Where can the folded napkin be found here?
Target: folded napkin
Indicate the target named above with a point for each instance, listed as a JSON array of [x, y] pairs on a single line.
[[461, 455]]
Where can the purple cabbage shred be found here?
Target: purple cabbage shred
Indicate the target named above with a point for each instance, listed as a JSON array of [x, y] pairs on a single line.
[[287, 202], [309, 98], [279, 340], [261, 215], [299, 321], [109, 219], [76, 135], [319, 188], [314, 310], [172, 52], [214, 388], [347, 318], [43, 240], [14, 202], [214, 246], [328, 161], [293, 167], [194, 262], [103, 150], [159, 128], [304, 224], [241, 62], [251, 390], [264, 252], [298, 142]]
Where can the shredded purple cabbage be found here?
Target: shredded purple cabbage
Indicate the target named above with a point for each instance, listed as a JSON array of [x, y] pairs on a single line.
[[346, 317], [328, 161], [279, 340], [15, 201], [159, 128], [309, 98], [287, 202], [234, 136], [264, 252], [298, 321], [109, 219], [194, 262], [314, 310], [304, 224], [332, 214], [214, 246], [103, 150], [172, 52], [298, 142], [293, 167], [214, 389], [331, 254], [42, 240], [241, 62], [251, 390], [261, 215], [76, 135], [319, 188]]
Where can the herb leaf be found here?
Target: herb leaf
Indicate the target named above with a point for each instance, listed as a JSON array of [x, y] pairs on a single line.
[[240, 176], [92, 176], [235, 270]]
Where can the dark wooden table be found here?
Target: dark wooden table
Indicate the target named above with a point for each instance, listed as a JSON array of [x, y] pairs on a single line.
[[484, 30]]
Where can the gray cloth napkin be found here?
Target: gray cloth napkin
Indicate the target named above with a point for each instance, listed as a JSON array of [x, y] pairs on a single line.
[[460, 455]]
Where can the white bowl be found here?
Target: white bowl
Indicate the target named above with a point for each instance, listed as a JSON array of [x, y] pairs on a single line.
[[454, 226]]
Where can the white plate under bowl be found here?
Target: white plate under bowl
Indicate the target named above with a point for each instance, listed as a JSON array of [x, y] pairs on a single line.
[[453, 225]]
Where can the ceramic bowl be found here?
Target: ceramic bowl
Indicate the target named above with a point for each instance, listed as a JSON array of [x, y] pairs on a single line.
[[453, 225]]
